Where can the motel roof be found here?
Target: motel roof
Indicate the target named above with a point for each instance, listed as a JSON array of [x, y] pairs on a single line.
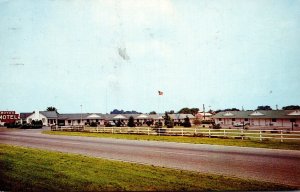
[[260, 114], [49, 114], [76, 116]]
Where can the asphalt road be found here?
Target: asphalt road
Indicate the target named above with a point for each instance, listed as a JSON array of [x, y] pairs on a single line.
[[279, 166]]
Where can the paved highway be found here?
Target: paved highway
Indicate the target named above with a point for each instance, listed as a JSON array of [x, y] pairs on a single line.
[[279, 166]]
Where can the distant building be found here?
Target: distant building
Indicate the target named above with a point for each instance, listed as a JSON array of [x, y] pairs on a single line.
[[269, 118], [204, 116]]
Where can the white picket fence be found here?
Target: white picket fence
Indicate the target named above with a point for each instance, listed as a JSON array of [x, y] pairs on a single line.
[[197, 131], [67, 128], [260, 135]]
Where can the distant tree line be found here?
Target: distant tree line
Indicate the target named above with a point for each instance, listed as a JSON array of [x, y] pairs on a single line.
[[187, 110], [116, 111]]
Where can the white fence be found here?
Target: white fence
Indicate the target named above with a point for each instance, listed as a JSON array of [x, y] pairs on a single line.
[[195, 131], [67, 128]]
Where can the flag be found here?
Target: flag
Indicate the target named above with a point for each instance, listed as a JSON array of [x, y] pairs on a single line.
[[160, 93]]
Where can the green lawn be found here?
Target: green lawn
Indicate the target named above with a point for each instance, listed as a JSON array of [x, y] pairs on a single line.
[[185, 139], [26, 169]]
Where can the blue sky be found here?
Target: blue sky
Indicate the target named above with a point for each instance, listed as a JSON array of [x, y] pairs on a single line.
[[118, 54]]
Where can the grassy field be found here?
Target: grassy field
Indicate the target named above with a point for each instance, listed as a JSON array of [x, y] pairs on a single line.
[[184, 139], [25, 169]]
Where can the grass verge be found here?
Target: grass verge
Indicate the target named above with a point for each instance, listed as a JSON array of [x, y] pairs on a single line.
[[185, 139], [26, 169]]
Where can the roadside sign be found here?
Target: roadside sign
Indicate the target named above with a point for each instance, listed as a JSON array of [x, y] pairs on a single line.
[[9, 116]]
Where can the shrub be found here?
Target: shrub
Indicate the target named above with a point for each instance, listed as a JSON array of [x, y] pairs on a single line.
[[158, 124], [168, 121], [216, 126], [187, 122], [36, 124], [131, 122], [149, 123], [93, 124], [13, 125]]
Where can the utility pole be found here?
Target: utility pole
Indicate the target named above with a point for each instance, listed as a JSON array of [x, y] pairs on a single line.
[[80, 114], [203, 112]]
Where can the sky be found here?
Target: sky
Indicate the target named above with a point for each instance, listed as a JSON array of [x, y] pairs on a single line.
[[113, 54]]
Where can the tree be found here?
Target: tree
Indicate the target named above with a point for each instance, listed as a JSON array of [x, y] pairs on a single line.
[[194, 111], [152, 113], [51, 109], [228, 109], [187, 110], [187, 122], [184, 110], [131, 122], [168, 121], [116, 111], [291, 107], [264, 108]]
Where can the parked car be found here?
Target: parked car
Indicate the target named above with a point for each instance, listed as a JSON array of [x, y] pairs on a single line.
[[240, 124], [110, 124]]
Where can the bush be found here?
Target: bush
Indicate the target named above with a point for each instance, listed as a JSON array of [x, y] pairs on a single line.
[[216, 126], [131, 122], [26, 126], [187, 122], [168, 121], [158, 125], [93, 124], [149, 123], [13, 125]]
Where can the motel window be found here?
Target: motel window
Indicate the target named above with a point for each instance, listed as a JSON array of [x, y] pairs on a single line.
[[246, 119], [78, 121], [274, 120], [43, 119], [69, 121], [292, 120], [220, 119], [97, 120], [233, 119]]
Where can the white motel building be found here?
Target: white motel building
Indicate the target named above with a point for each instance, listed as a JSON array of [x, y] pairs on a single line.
[[268, 118], [52, 118]]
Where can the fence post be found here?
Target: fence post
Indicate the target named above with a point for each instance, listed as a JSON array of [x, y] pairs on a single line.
[[97, 129], [138, 130], [242, 134], [281, 136], [224, 133], [181, 131], [128, 130], [148, 130], [209, 133], [158, 131], [103, 129], [112, 130], [260, 136]]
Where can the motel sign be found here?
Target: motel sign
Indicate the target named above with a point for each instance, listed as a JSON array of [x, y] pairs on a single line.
[[9, 116]]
